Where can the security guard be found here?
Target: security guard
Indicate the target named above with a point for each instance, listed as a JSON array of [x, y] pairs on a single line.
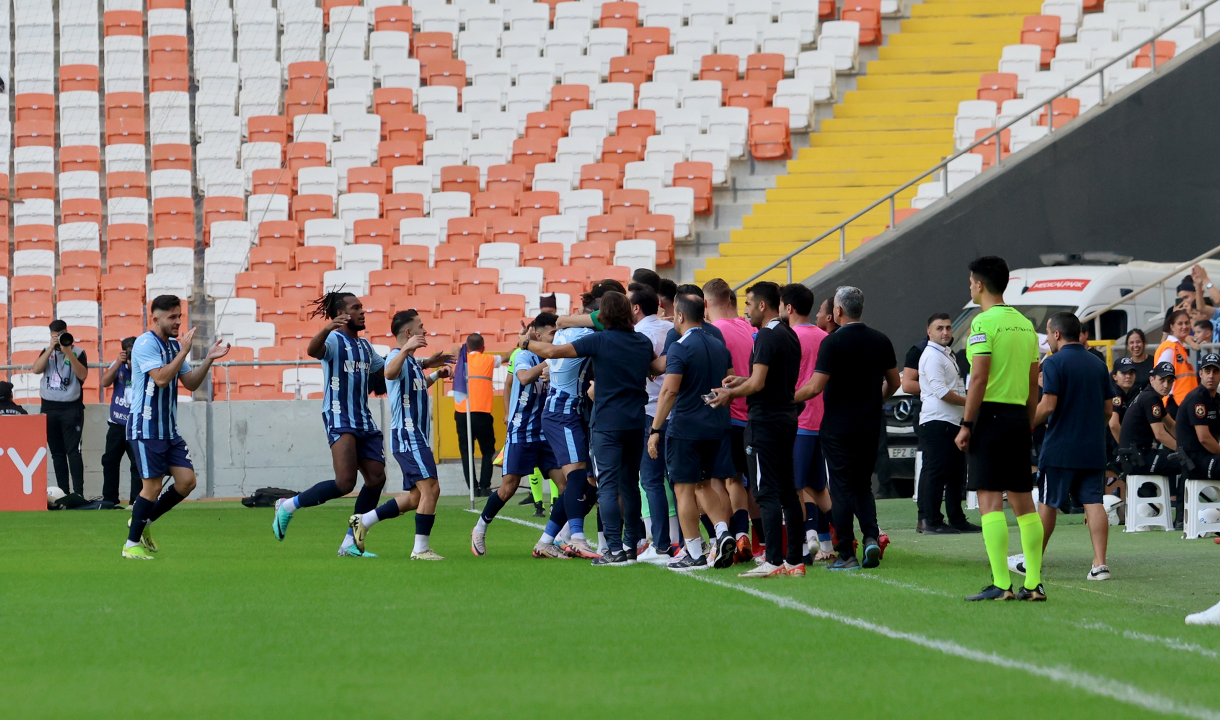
[[1199, 422], [1125, 391], [480, 368], [1144, 427], [1171, 349]]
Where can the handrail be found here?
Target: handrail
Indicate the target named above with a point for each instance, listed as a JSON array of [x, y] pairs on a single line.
[[1131, 296], [1099, 72]]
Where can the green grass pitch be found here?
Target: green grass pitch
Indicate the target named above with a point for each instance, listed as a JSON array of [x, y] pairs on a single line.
[[229, 623]]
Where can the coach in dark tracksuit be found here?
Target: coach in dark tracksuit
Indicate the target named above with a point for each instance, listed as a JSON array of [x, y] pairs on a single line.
[[857, 369]]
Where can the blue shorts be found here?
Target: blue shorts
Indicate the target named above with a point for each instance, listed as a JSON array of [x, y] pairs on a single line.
[[567, 437], [1057, 485], [693, 461], [154, 458], [417, 464], [369, 443], [521, 458], [810, 470]]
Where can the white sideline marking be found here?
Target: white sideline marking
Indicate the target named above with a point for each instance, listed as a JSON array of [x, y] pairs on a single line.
[[526, 523], [1173, 643], [1093, 684], [903, 585]]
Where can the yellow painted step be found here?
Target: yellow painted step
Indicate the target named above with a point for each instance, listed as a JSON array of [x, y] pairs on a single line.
[[895, 109], [844, 165], [807, 214], [938, 148], [991, 7], [859, 179], [774, 250], [831, 204], [908, 122], [940, 51], [964, 24], [896, 137], [803, 266], [943, 39], [932, 65], [905, 81], [855, 98], [849, 199], [790, 234]]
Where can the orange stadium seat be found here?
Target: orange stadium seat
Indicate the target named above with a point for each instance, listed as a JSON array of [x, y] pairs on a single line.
[[535, 204], [123, 287], [31, 288], [868, 14], [375, 231], [35, 185], [399, 206], [619, 14], [621, 150], [567, 99], [719, 67], [124, 105], [80, 157], [467, 231], [393, 17], [296, 335], [366, 180], [78, 77], [504, 307], [377, 309], [317, 259], [478, 281], [34, 237], [659, 229], [271, 181], [390, 283], [1042, 30], [123, 22], [305, 285], [87, 263], [459, 307], [267, 128], [634, 69], [1165, 50], [435, 282], [629, 204], [279, 233], [35, 106], [306, 101], [590, 253], [307, 75], [445, 72], [529, 152], [767, 67], [510, 229], [770, 137], [257, 284], [312, 207], [125, 130], [1063, 110], [168, 76], [26, 314], [494, 205], [30, 133], [697, 176], [506, 177], [280, 309], [167, 49], [405, 126], [997, 87], [77, 286], [174, 234], [429, 46], [546, 124], [392, 153], [306, 154], [987, 149], [636, 123], [751, 94], [542, 255], [388, 102], [269, 258], [119, 259], [570, 279], [648, 42], [460, 178], [409, 257], [488, 328], [608, 228]]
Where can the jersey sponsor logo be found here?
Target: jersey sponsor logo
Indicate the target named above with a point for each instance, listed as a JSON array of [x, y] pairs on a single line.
[[420, 384], [1060, 284], [1157, 411], [976, 339], [351, 366], [1200, 410]]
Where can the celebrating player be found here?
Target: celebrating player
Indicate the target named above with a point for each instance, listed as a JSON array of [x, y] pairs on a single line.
[[158, 362], [410, 429], [355, 442]]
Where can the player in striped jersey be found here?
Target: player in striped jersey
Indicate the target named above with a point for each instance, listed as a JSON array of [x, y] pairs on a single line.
[[525, 446], [158, 362], [407, 384], [355, 441]]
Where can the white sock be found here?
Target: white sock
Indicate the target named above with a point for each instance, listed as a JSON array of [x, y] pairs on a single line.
[[740, 536], [348, 541], [547, 539], [827, 546], [421, 543], [694, 548], [721, 527], [804, 549], [602, 546], [369, 519], [130, 544], [291, 505], [648, 529], [579, 536], [565, 532], [675, 530], [481, 526], [811, 537]]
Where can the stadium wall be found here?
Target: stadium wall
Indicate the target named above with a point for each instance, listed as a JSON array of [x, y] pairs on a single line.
[[1137, 177]]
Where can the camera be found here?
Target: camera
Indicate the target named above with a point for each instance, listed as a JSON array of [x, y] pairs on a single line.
[[65, 339]]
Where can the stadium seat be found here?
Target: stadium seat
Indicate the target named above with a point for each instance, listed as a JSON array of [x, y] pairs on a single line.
[[660, 230], [436, 282], [868, 14], [769, 133], [1043, 31], [409, 257]]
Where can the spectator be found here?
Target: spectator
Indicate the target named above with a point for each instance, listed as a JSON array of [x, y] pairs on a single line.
[[825, 318], [1206, 294], [63, 369], [119, 375], [943, 400], [1171, 350], [667, 290], [1201, 334], [7, 406], [548, 303], [1137, 351], [644, 276], [479, 368]]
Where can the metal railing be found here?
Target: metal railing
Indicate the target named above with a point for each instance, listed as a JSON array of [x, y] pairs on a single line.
[[943, 166]]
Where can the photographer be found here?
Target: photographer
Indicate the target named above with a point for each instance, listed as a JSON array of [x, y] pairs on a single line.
[[119, 375], [63, 369]]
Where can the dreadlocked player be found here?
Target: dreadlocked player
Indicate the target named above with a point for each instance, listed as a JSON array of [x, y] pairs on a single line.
[[348, 361]]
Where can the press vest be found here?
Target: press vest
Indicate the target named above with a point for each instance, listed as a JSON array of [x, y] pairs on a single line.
[[1184, 378], [59, 382], [479, 368]]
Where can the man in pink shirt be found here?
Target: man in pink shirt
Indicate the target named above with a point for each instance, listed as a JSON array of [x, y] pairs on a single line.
[[795, 305], [739, 338]]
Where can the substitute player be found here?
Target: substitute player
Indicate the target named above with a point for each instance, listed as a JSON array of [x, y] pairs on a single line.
[[995, 434], [158, 363], [407, 385], [525, 446], [355, 441]]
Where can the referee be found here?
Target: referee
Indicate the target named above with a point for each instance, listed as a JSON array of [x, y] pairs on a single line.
[[1000, 406]]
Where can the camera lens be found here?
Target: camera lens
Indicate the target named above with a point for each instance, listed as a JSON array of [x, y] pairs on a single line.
[[65, 339]]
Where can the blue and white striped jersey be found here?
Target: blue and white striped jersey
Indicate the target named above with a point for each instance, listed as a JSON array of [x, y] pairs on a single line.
[[569, 376], [154, 410], [526, 403], [346, 366], [410, 417]]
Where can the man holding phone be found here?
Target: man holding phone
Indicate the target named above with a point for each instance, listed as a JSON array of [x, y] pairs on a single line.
[[63, 368]]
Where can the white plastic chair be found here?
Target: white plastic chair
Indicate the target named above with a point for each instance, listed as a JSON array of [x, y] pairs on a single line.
[[676, 201], [499, 255], [842, 39], [448, 205], [636, 254]]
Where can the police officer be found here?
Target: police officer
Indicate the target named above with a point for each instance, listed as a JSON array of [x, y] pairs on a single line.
[[1199, 422], [1125, 389], [1144, 427]]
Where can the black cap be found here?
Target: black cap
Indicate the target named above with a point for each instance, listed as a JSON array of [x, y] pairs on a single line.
[[1124, 365], [6, 390], [1209, 360], [1163, 370]]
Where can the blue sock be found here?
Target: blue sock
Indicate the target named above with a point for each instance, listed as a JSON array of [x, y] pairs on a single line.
[[811, 516], [322, 492], [574, 499], [140, 511], [741, 522], [387, 510], [423, 524], [367, 499], [707, 525], [165, 503], [492, 508]]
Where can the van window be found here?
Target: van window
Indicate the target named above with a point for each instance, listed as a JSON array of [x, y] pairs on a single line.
[[1113, 324]]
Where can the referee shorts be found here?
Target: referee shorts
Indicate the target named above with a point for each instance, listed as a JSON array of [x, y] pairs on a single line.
[[1000, 447]]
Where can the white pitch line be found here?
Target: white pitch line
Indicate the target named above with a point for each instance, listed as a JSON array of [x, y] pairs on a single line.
[[526, 523], [1093, 684], [903, 585], [1173, 643]]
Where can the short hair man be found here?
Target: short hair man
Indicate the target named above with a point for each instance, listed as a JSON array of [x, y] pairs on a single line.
[[857, 370], [825, 317], [995, 434], [942, 395], [667, 290], [1198, 422], [1076, 404], [1148, 431], [63, 368], [158, 364], [118, 375]]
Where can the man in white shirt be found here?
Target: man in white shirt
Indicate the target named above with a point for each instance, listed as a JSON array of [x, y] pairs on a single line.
[[942, 394]]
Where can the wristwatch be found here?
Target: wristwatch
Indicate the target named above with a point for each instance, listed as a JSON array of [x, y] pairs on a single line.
[[968, 424], [653, 431], [1208, 286]]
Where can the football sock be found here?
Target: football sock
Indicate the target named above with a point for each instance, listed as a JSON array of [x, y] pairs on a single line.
[[811, 516], [559, 516], [139, 517], [565, 533], [348, 540], [823, 525], [573, 501], [165, 503], [647, 525], [385, 511], [494, 503], [554, 491], [675, 530], [707, 525], [825, 544], [289, 506], [423, 529], [741, 522], [367, 499], [694, 548], [995, 537], [536, 486], [721, 528], [322, 492], [811, 537], [1031, 544]]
